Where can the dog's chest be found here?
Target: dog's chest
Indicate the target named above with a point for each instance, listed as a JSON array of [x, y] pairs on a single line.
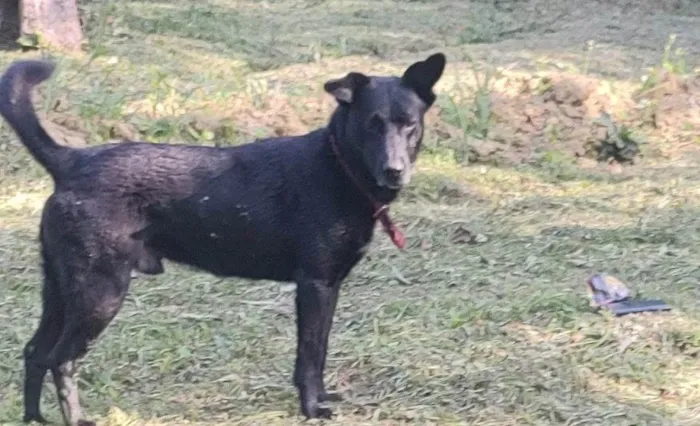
[[350, 238]]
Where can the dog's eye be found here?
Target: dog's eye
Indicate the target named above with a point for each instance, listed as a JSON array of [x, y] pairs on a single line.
[[376, 123], [406, 122]]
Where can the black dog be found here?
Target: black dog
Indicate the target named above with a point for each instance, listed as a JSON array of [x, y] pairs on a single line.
[[286, 209]]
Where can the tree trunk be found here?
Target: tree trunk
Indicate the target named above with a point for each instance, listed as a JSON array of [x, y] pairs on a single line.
[[56, 22]]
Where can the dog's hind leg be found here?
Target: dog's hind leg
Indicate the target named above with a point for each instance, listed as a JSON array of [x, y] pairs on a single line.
[[38, 348], [35, 367], [82, 326], [67, 388]]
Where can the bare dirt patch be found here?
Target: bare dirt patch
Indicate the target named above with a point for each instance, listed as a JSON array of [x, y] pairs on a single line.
[[568, 113]]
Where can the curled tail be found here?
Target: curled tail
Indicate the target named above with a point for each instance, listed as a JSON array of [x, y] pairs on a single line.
[[16, 107]]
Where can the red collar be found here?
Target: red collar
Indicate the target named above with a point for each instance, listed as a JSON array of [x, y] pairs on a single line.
[[380, 211]]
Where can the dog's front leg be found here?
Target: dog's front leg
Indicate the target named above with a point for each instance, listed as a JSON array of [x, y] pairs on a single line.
[[325, 395], [315, 304]]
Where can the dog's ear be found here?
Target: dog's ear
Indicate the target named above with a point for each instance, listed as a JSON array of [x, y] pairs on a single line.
[[422, 76], [343, 89]]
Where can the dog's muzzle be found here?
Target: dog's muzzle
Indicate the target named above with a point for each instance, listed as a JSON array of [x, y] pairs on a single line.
[[393, 177]]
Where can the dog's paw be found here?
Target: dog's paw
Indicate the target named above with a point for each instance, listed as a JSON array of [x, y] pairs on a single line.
[[322, 413], [330, 397], [314, 411], [38, 418]]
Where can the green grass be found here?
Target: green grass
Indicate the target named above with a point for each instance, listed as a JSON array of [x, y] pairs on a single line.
[[491, 332]]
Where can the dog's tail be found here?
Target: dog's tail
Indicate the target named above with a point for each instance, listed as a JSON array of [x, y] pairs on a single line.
[[16, 107]]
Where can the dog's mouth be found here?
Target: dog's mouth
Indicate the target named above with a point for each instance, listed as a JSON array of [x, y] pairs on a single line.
[[391, 186], [394, 184], [393, 181], [392, 178]]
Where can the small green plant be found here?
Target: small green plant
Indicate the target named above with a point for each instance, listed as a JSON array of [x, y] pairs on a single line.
[[590, 45], [160, 130], [543, 86], [165, 98], [52, 86], [673, 61], [483, 111], [30, 41], [553, 133], [159, 90], [621, 143], [102, 103], [472, 118], [259, 91]]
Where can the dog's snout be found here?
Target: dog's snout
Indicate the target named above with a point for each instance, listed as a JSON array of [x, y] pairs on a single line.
[[393, 174]]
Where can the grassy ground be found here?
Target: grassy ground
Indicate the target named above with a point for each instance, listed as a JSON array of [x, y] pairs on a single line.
[[483, 320]]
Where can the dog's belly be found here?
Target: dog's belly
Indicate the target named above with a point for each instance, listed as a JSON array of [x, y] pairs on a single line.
[[237, 224], [226, 255]]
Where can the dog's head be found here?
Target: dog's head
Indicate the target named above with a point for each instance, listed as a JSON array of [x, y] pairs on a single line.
[[384, 117]]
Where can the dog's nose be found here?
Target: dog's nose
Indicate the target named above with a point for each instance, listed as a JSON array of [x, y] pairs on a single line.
[[393, 175]]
